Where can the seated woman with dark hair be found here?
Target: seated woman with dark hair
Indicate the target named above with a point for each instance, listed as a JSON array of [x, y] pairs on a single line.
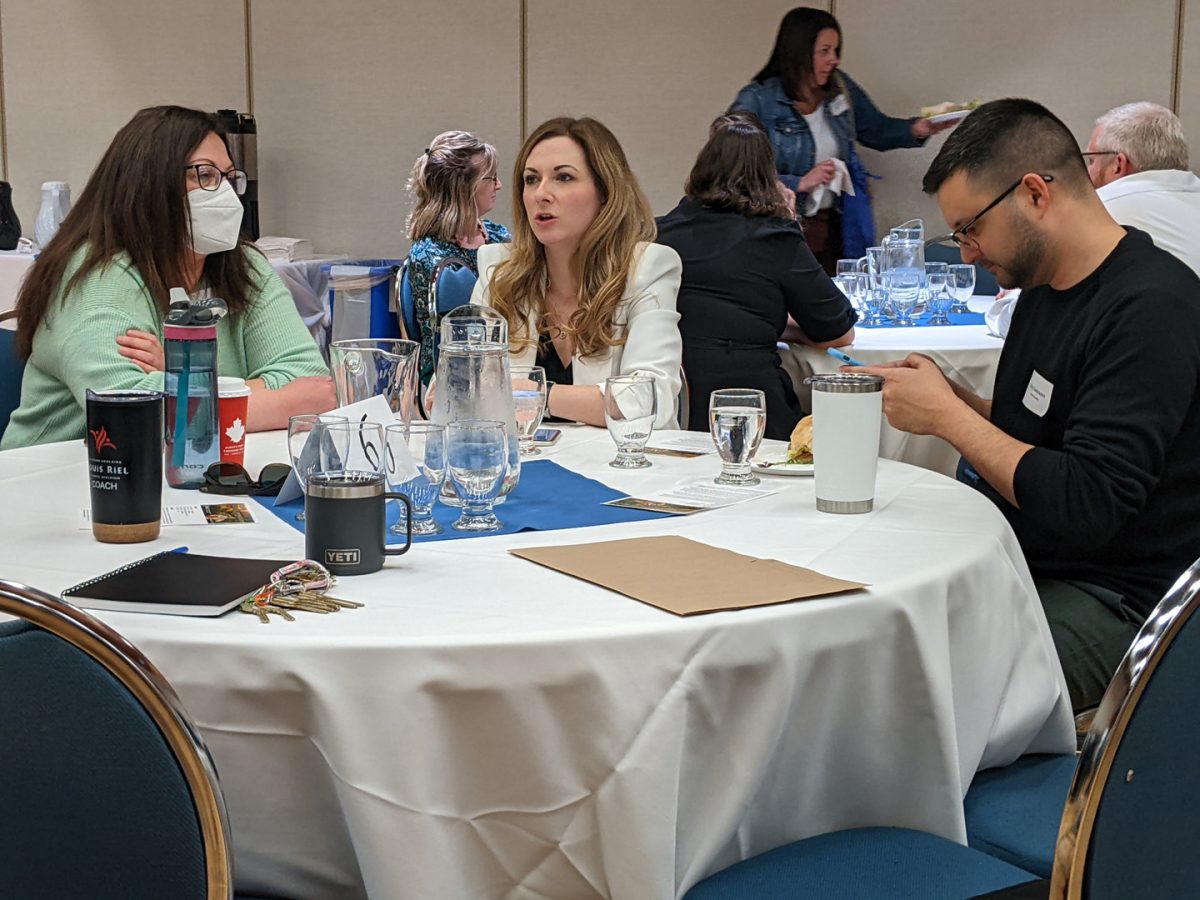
[[746, 267], [161, 210]]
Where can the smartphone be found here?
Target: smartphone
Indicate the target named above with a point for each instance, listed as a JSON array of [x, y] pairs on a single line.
[[547, 436]]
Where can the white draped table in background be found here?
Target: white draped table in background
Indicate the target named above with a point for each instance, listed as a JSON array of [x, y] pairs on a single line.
[[489, 728], [966, 353]]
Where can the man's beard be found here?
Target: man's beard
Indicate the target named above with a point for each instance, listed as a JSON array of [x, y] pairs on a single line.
[[1021, 271]]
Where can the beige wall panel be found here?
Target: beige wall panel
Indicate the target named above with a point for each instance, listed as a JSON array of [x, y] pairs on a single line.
[[76, 70], [1072, 55], [656, 73], [348, 94], [1189, 81]]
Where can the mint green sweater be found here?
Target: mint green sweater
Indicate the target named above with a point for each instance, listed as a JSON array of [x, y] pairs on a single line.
[[75, 347]]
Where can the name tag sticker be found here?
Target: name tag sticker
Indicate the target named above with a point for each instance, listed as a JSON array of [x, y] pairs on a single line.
[[1037, 395], [839, 105]]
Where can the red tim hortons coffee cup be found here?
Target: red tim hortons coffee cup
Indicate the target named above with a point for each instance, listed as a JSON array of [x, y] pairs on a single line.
[[234, 399], [125, 464]]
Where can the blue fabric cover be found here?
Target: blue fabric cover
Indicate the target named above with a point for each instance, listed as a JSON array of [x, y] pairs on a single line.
[[863, 864], [548, 497], [1013, 812], [1144, 843], [93, 803], [967, 318], [12, 370]]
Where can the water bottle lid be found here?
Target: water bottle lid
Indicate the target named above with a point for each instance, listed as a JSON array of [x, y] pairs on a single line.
[[54, 185], [190, 332]]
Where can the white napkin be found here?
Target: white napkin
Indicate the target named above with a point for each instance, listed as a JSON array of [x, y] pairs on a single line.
[[840, 182], [999, 315]]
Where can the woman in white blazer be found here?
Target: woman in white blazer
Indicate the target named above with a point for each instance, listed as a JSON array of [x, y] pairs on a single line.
[[585, 292]]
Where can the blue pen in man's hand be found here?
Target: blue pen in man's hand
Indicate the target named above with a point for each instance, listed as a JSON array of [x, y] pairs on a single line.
[[844, 357]]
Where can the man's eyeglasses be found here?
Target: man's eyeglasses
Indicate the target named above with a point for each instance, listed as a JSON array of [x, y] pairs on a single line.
[[209, 177], [1088, 154], [231, 478], [962, 235]]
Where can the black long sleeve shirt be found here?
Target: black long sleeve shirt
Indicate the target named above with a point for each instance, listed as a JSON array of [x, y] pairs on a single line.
[[1104, 380]]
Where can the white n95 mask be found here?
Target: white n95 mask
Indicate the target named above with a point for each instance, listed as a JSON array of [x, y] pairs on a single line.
[[216, 219]]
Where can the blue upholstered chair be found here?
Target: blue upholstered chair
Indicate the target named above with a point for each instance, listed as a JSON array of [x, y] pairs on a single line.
[[12, 368], [1119, 823], [985, 281], [405, 305], [450, 286], [108, 791], [1123, 817]]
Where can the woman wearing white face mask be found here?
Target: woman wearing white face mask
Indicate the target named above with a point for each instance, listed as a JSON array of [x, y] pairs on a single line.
[[161, 210]]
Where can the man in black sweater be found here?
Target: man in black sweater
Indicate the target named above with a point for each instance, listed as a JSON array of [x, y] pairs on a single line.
[[1091, 445]]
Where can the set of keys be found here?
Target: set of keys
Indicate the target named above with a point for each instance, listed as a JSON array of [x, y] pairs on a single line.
[[300, 587]]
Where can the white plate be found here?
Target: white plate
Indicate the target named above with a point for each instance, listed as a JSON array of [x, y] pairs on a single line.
[[955, 116], [779, 467]]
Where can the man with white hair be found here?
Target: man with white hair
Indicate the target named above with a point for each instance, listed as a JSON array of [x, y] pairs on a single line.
[[1137, 158]]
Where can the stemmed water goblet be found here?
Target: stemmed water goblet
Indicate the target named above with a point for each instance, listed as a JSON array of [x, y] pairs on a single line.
[[419, 445], [530, 390], [477, 458], [873, 302], [940, 298], [737, 418], [307, 437], [630, 405], [962, 285]]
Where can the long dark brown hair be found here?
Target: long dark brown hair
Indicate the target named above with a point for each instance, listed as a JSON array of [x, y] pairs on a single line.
[[135, 203], [736, 169], [792, 56]]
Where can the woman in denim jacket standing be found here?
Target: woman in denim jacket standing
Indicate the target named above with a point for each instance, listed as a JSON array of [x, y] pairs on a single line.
[[813, 113]]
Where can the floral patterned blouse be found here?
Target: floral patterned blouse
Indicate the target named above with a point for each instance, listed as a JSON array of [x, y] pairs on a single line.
[[423, 261]]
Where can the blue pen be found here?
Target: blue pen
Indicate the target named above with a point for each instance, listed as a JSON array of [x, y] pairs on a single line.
[[847, 359], [178, 550]]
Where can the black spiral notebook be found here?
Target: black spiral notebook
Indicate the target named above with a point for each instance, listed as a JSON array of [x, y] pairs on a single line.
[[177, 584]]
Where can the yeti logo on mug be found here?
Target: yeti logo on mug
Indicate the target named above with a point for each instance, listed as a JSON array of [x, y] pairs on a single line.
[[341, 557]]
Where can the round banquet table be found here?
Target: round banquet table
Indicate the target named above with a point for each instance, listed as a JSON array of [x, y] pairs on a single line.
[[967, 354], [488, 728]]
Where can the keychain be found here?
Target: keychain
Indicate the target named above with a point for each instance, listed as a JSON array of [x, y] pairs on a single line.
[[297, 586]]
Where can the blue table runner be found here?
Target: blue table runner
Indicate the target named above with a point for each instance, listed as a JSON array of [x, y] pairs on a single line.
[[548, 497]]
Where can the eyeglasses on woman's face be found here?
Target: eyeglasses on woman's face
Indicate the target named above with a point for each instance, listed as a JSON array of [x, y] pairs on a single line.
[[208, 177]]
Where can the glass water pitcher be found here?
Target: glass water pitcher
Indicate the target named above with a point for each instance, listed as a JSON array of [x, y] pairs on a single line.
[[473, 381]]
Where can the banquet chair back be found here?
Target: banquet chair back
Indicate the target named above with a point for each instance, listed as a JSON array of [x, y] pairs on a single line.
[[452, 284], [1128, 828], [405, 306], [12, 370], [985, 281], [108, 790]]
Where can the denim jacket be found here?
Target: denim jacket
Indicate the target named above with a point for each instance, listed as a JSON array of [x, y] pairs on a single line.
[[795, 148]]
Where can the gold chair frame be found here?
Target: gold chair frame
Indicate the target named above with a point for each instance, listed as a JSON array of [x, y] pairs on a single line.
[[140, 677]]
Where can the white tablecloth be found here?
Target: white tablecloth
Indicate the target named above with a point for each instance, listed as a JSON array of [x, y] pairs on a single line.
[[966, 353], [13, 267], [488, 728]]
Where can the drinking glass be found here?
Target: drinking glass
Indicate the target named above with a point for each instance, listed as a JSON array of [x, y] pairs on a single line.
[[875, 266], [307, 435], [737, 418], [962, 285], [903, 286], [425, 443], [630, 405], [847, 266], [530, 390], [874, 300], [847, 285], [477, 457], [940, 298], [354, 448], [936, 268]]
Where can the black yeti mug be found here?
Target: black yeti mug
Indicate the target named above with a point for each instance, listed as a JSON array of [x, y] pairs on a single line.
[[345, 526]]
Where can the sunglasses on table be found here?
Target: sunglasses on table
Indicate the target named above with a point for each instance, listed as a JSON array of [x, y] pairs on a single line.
[[231, 478]]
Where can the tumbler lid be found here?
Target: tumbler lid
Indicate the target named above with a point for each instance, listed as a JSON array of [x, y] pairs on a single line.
[[344, 485], [845, 383]]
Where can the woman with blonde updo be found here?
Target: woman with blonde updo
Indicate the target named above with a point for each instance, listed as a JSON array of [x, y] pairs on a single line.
[[453, 184], [585, 291]]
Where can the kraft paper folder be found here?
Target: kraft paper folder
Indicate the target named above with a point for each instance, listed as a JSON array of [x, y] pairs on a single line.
[[686, 577]]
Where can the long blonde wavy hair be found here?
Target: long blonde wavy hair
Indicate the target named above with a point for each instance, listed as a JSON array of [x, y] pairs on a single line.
[[443, 183], [604, 259]]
